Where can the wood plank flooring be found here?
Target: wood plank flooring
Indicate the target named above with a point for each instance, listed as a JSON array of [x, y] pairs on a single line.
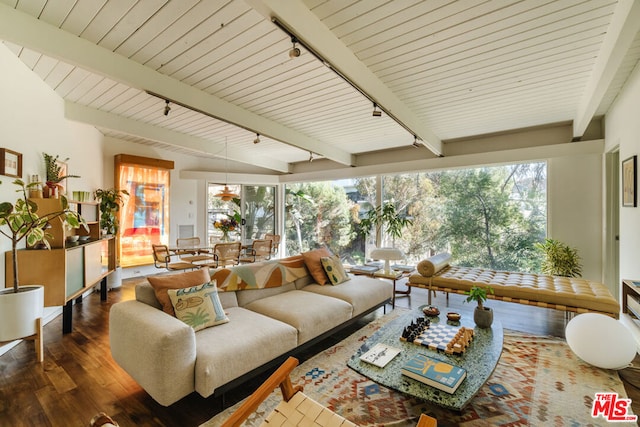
[[79, 378]]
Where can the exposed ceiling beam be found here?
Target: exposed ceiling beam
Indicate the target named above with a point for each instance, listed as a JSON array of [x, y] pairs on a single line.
[[623, 28], [297, 18], [25, 30], [81, 113]]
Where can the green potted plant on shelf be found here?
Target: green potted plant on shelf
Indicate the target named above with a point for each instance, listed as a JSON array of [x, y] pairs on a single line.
[[110, 201], [483, 316], [20, 306], [559, 259], [54, 173]]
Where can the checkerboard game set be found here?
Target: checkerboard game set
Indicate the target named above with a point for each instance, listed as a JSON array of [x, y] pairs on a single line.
[[438, 336]]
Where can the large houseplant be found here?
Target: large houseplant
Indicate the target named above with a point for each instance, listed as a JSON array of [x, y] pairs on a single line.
[[559, 259], [54, 173], [110, 201], [385, 217], [19, 221]]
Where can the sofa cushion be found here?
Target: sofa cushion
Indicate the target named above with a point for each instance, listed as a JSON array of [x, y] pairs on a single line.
[[310, 313], [334, 269], [198, 306], [230, 350], [161, 284], [361, 292], [247, 296], [314, 265], [430, 266]]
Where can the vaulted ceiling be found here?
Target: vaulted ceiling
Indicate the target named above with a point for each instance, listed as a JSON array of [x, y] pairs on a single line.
[[438, 69]]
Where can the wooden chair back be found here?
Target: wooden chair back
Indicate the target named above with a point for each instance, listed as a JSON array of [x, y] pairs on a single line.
[[161, 255], [275, 242], [262, 249], [227, 253]]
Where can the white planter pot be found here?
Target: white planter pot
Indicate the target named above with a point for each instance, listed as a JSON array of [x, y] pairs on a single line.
[[114, 280], [19, 311]]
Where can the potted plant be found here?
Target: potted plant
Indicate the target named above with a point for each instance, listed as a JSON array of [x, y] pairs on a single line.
[[110, 201], [20, 306], [54, 174], [483, 316], [559, 259]]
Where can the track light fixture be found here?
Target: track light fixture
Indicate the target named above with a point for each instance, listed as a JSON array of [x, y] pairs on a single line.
[[294, 52], [310, 156], [415, 142], [257, 140], [376, 112], [166, 107]]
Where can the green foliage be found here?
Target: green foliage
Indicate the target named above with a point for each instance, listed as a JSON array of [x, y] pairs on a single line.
[[479, 295], [559, 259], [53, 169], [387, 217], [110, 201], [20, 220]]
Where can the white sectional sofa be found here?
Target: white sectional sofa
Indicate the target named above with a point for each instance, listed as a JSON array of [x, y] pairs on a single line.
[[169, 360]]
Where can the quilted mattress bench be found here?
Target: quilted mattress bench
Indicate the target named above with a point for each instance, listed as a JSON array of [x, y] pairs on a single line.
[[561, 293]]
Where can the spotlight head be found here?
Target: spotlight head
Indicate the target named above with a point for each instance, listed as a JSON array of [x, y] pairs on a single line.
[[377, 113], [415, 142], [294, 52], [257, 140], [167, 108]]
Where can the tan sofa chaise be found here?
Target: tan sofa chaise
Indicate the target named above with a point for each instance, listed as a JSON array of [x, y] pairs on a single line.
[[562, 293], [170, 360]]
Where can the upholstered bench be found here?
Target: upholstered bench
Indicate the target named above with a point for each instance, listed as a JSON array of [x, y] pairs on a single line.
[[561, 293]]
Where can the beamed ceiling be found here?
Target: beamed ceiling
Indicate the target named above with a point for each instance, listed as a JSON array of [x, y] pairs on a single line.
[[443, 69]]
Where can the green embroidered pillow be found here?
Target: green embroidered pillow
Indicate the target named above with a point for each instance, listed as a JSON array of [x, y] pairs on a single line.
[[198, 306], [334, 269]]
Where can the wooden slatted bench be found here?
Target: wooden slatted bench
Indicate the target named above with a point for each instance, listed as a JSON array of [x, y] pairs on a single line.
[[568, 294]]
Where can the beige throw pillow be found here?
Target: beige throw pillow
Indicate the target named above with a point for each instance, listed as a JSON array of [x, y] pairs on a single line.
[[161, 284], [198, 306], [334, 269], [312, 261]]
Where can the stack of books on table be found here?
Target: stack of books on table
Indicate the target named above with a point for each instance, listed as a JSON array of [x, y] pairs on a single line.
[[434, 372], [380, 354], [403, 268], [364, 269]]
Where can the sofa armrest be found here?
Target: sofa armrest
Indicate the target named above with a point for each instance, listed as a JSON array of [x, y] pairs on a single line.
[[156, 349]]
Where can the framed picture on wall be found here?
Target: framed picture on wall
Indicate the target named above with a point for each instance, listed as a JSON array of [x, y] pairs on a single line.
[[10, 163], [629, 178]]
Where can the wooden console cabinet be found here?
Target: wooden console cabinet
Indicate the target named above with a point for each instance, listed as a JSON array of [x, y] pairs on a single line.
[[68, 269], [631, 297]]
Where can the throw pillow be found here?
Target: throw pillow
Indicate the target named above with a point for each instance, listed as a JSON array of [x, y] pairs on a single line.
[[198, 306], [334, 269], [312, 261], [161, 284]]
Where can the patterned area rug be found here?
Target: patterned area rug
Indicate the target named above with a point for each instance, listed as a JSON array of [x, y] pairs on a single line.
[[538, 381]]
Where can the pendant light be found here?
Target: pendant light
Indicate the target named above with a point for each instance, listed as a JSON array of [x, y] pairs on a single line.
[[226, 194]]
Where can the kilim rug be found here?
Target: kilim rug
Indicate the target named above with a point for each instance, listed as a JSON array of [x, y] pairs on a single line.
[[538, 382]]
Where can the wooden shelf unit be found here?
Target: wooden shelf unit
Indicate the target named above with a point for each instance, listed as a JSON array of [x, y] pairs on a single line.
[[631, 298]]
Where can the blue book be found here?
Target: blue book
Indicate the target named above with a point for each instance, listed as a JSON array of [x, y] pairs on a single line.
[[434, 372]]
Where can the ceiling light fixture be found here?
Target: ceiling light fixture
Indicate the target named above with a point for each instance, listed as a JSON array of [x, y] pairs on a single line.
[[295, 39], [415, 142], [257, 140], [226, 194], [166, 107], [310, 156], [294, 52], [376, 112]]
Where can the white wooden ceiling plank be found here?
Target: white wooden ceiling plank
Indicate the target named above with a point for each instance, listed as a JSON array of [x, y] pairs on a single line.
[[82, 14], [29, 57], [559, 55], [106, 18], [228, 23], [56, 12], [112, 105], [311, 4], [58, 74], [199, 30], [13, 47], [496, 53], [45, 65], [86, 85], [128, 24], [295, 114], [143, 104], [74, 78], [10, 3], [294, 104], [32, 7], [621, 77], [127, 100], [154, 26], [102, 93], [353, 15], [329, 8]]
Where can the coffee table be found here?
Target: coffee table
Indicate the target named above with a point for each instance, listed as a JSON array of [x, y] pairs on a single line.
[[480, 360]]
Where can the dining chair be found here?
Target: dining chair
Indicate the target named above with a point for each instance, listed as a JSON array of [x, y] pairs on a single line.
[[226, 254], [189, 250], [260, 250], [162, 259], [275, 242]]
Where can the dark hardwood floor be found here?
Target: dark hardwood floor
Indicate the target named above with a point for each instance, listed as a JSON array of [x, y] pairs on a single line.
[[79, 378]]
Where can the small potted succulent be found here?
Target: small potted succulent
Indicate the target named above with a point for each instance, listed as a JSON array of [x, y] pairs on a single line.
[[54, 175], [483, 316], [20, 306]]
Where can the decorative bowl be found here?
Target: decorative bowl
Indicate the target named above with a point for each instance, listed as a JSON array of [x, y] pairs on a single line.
[[431, 310], [84, 238], [454, 317], [72, 239]]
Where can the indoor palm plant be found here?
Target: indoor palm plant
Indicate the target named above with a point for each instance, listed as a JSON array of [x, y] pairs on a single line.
[[19, 221], [54, 171], [483, 316], [559, 259], [110, 201]]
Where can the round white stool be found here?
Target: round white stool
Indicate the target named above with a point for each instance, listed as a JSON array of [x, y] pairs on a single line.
[[601, 341]]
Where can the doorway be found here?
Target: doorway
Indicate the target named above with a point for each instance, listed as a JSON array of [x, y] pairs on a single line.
[[611, 274]]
